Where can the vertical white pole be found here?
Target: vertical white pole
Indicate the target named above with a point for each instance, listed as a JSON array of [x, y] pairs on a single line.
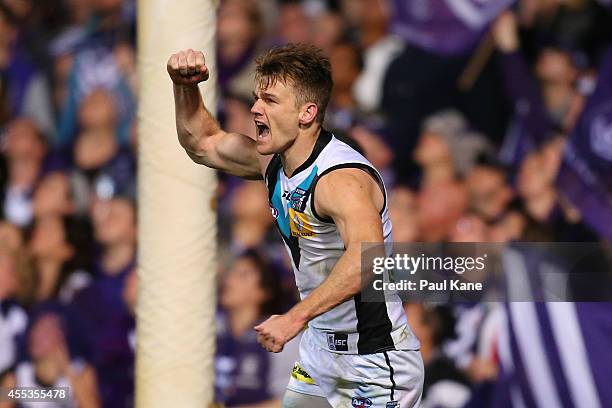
[[177, 224]]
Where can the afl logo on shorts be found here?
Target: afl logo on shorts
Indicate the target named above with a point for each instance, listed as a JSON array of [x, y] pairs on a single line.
[[361, 402], [274, 211]]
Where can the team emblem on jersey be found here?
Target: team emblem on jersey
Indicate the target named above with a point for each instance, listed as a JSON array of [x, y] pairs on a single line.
[[300, 227], [392, 404], [297, 199], [274, 211], [361, 402], [300, 374]]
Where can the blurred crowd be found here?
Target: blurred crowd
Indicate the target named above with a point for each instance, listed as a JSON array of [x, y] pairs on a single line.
[[490, 122]]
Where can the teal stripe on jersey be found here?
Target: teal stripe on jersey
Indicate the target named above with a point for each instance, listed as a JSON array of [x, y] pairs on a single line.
[[305, 186], [277, 202]]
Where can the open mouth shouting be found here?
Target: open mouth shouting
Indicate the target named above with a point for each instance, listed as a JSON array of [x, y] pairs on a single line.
[[263, 131]]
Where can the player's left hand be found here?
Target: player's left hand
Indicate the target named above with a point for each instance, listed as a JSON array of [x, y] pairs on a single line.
[[275, 332]]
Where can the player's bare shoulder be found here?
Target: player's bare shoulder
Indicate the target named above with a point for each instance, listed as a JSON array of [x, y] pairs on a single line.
[[347, 188]]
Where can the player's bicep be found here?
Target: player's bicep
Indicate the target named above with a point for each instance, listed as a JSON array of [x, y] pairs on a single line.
[[232, 153], [348, 197]]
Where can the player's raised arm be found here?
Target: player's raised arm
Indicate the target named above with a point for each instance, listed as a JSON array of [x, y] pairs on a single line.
[[198, 131]]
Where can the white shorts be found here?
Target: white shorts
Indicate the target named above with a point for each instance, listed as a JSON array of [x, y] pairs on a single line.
[[390, 379]]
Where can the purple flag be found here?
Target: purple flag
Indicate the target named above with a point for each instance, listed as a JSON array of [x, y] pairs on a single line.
[[586, 173], [445, 27]]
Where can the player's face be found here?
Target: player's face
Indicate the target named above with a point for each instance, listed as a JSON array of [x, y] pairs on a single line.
[[276, 117]]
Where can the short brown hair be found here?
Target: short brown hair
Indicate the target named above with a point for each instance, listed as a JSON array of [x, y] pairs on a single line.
[[303, 66]]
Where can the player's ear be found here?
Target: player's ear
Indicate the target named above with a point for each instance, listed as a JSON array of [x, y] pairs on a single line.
[[308, 114]]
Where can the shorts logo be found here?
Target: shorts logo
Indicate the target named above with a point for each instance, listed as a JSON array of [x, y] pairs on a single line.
[[392, 404], [361, 402], [300, 374], [337, 341]]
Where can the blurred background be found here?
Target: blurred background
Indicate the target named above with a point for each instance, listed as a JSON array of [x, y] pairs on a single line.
[[491, 121]]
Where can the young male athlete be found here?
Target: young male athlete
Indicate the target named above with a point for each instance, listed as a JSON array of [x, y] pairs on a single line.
[[327, 199]]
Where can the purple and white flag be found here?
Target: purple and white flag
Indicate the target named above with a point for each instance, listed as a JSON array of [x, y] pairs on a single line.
[[586, 173], [445, 27]]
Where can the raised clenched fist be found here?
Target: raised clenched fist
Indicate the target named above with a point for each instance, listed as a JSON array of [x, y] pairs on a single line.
[[187, 67]]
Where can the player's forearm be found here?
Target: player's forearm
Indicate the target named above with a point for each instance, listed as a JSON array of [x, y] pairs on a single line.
[[193, 120], [343, 283]]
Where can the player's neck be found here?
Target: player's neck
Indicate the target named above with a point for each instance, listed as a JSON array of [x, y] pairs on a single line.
[[300, 150]]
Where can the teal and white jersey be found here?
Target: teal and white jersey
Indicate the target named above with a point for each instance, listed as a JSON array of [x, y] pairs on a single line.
[[315, 245]]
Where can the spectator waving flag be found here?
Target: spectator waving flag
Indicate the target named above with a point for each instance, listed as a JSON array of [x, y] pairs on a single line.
[[445, 27], [584, 178]]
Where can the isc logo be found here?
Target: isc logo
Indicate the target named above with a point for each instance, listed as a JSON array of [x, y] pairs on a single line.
[[337, 341]]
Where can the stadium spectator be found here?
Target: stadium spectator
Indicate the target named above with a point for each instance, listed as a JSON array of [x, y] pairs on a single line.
[[371, 141], [237, 115], [97, 66], [542, 101], [511, 225], [433, 155], [11, 236], [403, 212], [379, 48], [469, 228], [102, 305], [13, 318], [247, 375], [53, 195], [447, 149], [106, 168], [294, 24], [51, 251], [25, 149], [346, 66], [25, 90], [439, 207], [239, 28], [329, 27], [251, 219], [52, 362], [443, 37], [536, 188], [445, 386], [61, 250], [587, 158], [488, 191]]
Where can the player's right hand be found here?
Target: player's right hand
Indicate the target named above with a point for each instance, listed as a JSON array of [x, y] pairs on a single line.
[[187, 67]]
